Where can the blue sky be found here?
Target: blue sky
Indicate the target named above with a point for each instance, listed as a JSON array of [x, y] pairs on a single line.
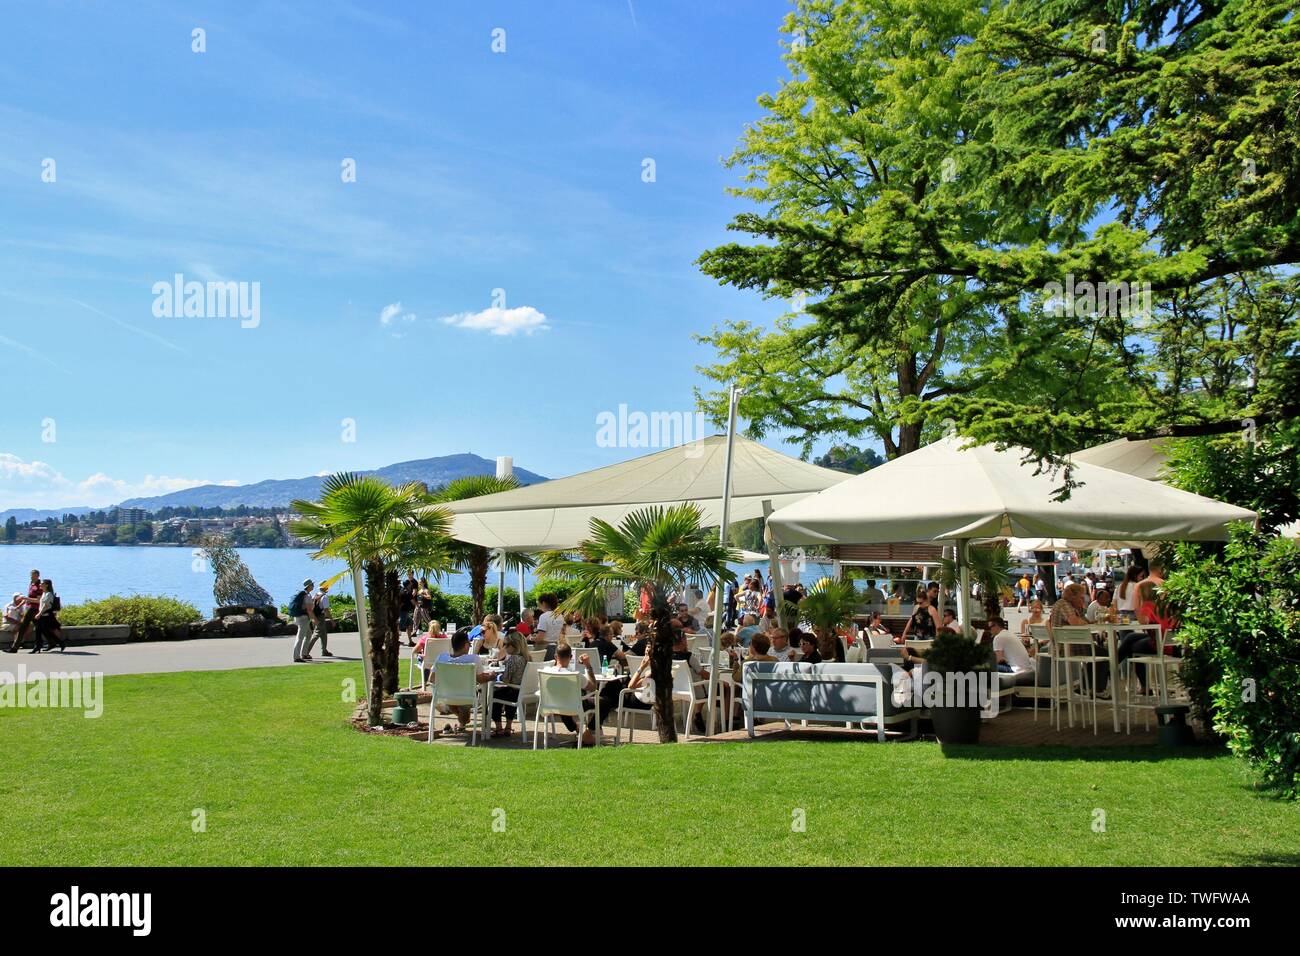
[[475, 171]]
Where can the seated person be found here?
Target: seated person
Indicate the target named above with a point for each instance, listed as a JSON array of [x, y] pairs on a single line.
[[587, 683], [878, 635], [950, 621], [758, 649], [1035, 616], [682, 652], [1012, 654], [459, 654], [515, 660], [13, 616], [808, 646], [748, 628], [526, 624], [1100, 608], [640, 641], [781, 649]]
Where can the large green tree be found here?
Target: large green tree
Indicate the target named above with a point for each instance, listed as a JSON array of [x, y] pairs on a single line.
[[938, 182]]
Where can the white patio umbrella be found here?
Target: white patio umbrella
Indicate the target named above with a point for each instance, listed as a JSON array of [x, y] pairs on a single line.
[[947, 492], [557, 514], [1143, 458]]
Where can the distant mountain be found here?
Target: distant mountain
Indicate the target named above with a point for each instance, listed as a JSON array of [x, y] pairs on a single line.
[[23, 515], [278, 493]]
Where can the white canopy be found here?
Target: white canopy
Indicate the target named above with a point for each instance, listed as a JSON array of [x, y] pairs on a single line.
[[947, 492], [557, 513], [1144, 458]]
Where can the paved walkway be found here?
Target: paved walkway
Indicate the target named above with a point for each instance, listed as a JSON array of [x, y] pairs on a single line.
[[203, 654]]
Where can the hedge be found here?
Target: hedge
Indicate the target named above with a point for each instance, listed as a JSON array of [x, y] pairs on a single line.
[[147, 616]]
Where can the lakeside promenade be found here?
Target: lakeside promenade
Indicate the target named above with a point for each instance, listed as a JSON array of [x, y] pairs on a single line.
[[201, 654]]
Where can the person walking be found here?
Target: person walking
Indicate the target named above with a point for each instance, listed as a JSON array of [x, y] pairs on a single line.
[[48, 629], [320, 604], [300, 609]]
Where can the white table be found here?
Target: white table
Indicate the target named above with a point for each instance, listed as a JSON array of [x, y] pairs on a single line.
[[1111, 632]]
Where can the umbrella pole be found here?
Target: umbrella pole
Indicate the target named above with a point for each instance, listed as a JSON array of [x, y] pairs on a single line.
[[963, 586], [718, 598]]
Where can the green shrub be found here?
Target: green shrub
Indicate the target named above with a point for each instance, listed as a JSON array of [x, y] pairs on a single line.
[[1240, 626], [148, 617]]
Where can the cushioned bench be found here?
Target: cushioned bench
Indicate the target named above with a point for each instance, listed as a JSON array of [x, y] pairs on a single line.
[[837, 693]]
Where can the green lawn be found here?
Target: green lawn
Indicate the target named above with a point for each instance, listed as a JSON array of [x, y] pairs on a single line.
[[265, 753]]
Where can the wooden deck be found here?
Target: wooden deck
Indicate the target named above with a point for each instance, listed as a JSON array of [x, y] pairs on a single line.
[[1015, 728]]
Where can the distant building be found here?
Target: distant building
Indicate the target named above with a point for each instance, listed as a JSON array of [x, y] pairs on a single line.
[[132, 516]]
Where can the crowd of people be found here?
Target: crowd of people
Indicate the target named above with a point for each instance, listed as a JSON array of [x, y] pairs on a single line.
[[752, 632], [34, 614]]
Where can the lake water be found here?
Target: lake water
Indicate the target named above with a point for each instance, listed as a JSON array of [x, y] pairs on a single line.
[[89, 572]]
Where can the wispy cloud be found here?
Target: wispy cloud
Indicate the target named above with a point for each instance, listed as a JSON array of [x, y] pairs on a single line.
[[393, 312], [131, 328], [498, 321], [9, 343]]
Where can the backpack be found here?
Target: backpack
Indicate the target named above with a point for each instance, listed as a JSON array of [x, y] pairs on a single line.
[[57, 606], [296, 606]]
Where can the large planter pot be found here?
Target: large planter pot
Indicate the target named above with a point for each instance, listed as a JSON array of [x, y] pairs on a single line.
[[956, 725]]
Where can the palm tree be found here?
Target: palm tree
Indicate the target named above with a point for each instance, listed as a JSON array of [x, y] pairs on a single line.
[[473, 558], [651, 549], [828, 605], [371, 524], [990, 566]]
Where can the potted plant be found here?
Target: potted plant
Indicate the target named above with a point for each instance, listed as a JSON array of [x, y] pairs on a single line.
[[956, 719], [828, 606]]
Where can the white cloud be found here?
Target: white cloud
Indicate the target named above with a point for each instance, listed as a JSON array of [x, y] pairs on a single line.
[[36, 484], [393, 312], [498, 321]]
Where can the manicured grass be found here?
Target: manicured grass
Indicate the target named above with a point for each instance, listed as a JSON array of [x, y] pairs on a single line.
[[265, 753]]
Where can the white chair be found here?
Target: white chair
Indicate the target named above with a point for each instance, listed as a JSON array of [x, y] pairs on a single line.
[[691, 693], [456, 685], [1157, 682], [1076, 647], [560, 696], [634, 663], [538, 654], [1056, 680], [881, 641], [528, 695], [629, 630], [626, 713], [432, 648]]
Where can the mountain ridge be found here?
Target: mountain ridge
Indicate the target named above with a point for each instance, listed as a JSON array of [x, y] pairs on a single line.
[[279, 492]]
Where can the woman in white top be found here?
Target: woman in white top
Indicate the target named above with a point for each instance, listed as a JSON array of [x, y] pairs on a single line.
[[1126, 598]]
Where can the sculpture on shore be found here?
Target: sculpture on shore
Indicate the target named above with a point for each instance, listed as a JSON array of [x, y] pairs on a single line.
[[234, 584]]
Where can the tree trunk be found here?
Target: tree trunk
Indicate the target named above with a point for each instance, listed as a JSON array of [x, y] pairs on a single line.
[[1049, 577], [392, 650], [478, 571], [378, 627], [661, 663]]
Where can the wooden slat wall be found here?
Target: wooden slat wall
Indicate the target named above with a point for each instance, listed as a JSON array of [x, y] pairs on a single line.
[[909, 553]]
